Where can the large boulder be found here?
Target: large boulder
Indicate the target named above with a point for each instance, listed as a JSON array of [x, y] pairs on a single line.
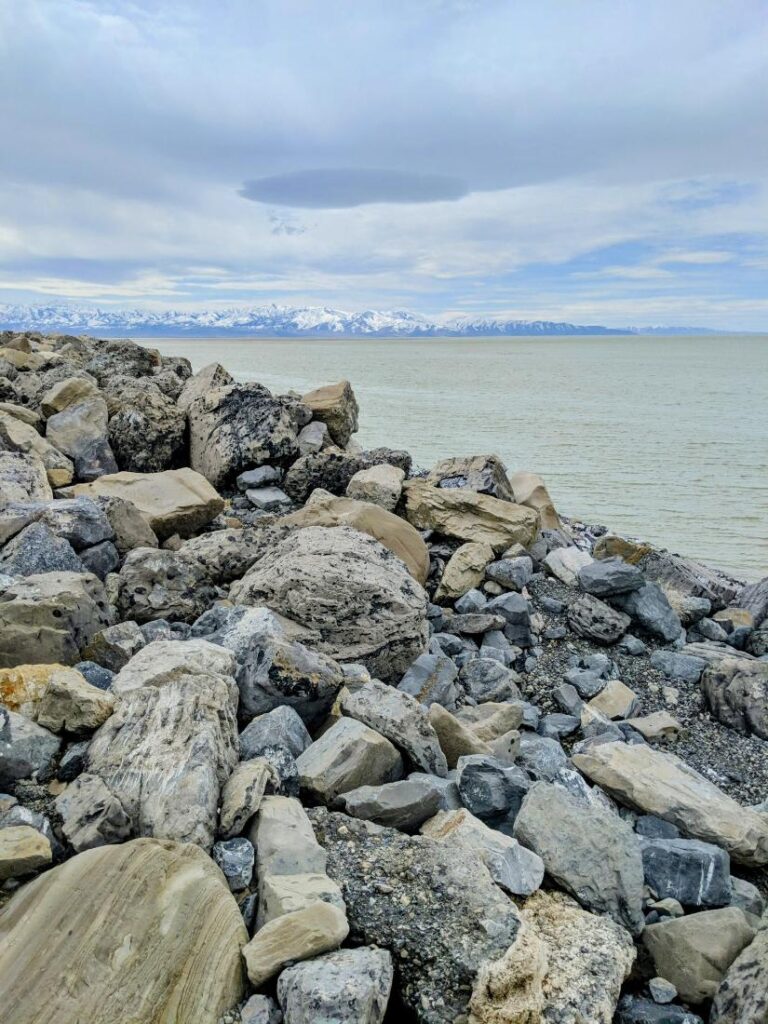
[[346, 756], [159, 584], [595, 620], [685, 578], [332, 469], [209, 378], [379, 485], [591, 853], [109, 359], [742, 997], [80, 431], [26, 749], [336, 406], [662, 784], [348, 589], [36, 549], [434, 907], [754, 599], [239, 426], [167, 750], [147, 929], [23, 478], [323, 509], [176, 501], [485, 474], [51, 617], [146, 428], [530, 490], [737, 692], [466, 515]]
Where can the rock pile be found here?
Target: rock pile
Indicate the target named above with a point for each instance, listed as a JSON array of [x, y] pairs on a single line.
[[289, 731]]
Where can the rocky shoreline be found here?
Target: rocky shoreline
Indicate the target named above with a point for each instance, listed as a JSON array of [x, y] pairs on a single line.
[[293, 731]]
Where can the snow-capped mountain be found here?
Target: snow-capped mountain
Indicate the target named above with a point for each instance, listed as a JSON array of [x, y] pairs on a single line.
[[286, 321]]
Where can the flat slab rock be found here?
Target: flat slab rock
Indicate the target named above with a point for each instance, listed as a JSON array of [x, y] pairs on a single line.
[[439, 913], [147, 928]]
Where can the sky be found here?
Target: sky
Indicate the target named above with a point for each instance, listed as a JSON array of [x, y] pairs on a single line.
[[599, 161]]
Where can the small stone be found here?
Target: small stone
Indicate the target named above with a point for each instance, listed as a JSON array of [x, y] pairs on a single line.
[[92, 814], [235, 858], [268, 499], [484, 679], [403, 805], [23, 851], [464, 571], [540, 756], [615, 700], [431, 679], [587, 682], [260, 1010], [489, 788], [662, 991], [512, 573], [303, 934], [456, 740], [241, 796], [260, 477], [659, 725], [113, 647]]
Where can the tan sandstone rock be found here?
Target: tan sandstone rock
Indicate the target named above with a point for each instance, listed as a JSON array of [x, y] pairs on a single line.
[[174, 501], [336, 406], [305, 933], [23, 850], [72, 704], [21, 437], [659, 783], [146, 931], [67, 392], [467, 515], [455, 738], [465, 569], [530, 490], [380, 485]]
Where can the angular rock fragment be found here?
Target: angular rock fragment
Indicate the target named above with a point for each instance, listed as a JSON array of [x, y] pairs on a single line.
[[379, 485], [595, 620], [566, 563], [336, 406], [465, 569], [36, 549], [608, 577], [737, 692], [23, 478], [743, 993], [241, 796], [23, 851], [91, 814], [26, 749], [403, 805], [300, 935], [80, 431], [694, 873], [351, 985], [348, 755]]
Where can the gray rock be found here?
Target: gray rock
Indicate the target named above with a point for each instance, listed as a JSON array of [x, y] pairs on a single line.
[[473, 601], [23, 477], [26, 749], [485, 474], [431, 679], [633, 1010], [235, 857], [662, 991], [280, 727], [313, 438], [81, 521], [556, 725], [146, 428], [742, 997], [587, 682], [37, 550], [747, 897], [540, 756], [95, 674], [694, 873], [754, 599], [608, 577], [489, 788], [238, 427], [400, 718], [447, 790], [332, 469], [651, 610], [80, 431], [74, 761], [683, 577], [678, 666], [345, 757], [158, 584], [101, 559], [512, 573], [594, 620], [567, 696], [737, 692], [91, 814], [403, 805], [350, 986], [651, 827], [632, 645], [260, 1010], [590, 853], [515, 611], [350, 590], [268, 499], [210, 377], [484, 679], [260, 477], [436, 910], [113, 647]]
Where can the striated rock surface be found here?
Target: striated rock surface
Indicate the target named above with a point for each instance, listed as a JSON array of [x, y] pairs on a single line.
[[737, 692], [130, 927]]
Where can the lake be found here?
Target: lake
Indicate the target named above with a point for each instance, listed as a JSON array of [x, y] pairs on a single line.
[[662, 438]]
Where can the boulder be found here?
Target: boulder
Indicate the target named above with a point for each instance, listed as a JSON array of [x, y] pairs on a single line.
[[50, 617], [434, 906], [313, 438], [431, 679], [566, 564], [588, 958], [210, 378], [131, 529], [23, 478], [166, 752], [71, 704], [91, 814], [348, 589], [37, 550], [685, 578], [593, 854], [651, 610], [323, 509], [346, 756], [113, 647], [157, 584], [484, 679], [517, 870], [67, 392], [281, 727], [109, 359], [465, 569], [609, 577], [511, 573], [754, 600], [466, 515], [17, 436], [742, 997], [456, 740], [336, 406], [23, 851], [403, 805], [695, 874], [351, 985], [530, 490], [401, 719], [659, 783], [490, 788], [171, 661], [242, 795], [26, 749], [80, 431], [236, 427], [183, 958], [175, 501], [694, 952], [737, 692], [379, 485], [300, 935], [146, 428], [331, 469], [485, 474], [595, 620]]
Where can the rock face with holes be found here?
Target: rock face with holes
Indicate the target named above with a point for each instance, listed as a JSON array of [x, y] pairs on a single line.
[[148, 925], [348, 589]]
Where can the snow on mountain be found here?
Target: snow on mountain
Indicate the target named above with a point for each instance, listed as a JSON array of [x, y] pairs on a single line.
[[287, 321]]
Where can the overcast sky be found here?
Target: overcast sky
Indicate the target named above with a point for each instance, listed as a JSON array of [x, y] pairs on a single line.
[[598, 161]]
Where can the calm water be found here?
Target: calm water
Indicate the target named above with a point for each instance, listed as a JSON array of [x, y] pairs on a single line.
[[660, 438]]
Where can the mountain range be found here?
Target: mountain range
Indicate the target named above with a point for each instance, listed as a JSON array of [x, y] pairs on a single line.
[[291, 322]]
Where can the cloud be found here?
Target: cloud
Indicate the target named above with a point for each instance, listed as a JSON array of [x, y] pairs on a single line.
[[343, 187]]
